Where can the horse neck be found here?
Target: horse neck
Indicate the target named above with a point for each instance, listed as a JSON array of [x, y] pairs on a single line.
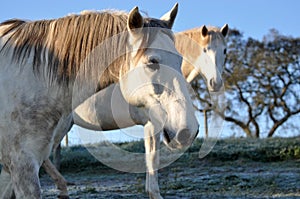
[[189, 46]]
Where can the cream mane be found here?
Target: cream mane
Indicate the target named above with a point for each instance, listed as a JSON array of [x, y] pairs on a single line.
[[63, 44]]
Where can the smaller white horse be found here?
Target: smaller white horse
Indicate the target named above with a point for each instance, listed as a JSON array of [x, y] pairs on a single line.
[[199, 47]]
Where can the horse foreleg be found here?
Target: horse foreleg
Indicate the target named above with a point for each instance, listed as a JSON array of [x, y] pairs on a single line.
[[6, 189], [152, 160], [58, 179], [24, 170]]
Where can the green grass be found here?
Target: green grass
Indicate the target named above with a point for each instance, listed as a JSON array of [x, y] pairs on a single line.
[[78, 158]]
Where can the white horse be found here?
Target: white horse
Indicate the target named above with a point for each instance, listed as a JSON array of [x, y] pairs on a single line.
[[198, 44], [210, 38], [41, 62], [194, 44]]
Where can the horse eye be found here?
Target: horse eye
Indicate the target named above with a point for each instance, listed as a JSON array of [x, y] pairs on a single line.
[[225, 51], [153, 60], [204, 50]]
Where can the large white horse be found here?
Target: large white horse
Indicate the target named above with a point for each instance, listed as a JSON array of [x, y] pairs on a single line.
[[209, 41], [40, 61], [204, 51]]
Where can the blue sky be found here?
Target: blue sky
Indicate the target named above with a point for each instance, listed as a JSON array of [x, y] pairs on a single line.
[[254, 18]]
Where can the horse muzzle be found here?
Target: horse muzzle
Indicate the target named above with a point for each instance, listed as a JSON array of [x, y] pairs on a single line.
[[182, 139]]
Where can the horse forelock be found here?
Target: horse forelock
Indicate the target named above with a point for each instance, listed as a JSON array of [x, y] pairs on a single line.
[[151, 29], [194, 35], [214, 35]]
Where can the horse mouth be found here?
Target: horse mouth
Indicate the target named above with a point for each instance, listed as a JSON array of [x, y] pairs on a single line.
[[168, 136]]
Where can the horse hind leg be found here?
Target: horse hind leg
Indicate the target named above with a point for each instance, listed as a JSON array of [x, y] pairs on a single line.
[[58, 179]]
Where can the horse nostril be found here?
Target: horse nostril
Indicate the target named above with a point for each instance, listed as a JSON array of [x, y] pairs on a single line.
[[215, 85], [212, 82], [184, 136]]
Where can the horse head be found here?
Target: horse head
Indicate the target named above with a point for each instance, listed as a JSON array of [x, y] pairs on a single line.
[[214, 49], [154, 80]]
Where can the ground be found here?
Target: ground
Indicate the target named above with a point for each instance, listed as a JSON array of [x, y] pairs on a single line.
[[239, 168]]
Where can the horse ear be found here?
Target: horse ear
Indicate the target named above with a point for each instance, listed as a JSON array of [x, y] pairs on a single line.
[[135, 21], [170, 16], [204, 31], [224, 30]]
